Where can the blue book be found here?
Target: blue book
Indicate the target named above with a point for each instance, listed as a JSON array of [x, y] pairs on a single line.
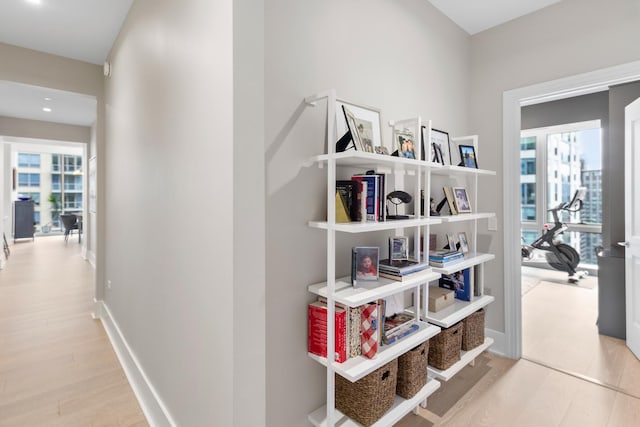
[[461, 282]]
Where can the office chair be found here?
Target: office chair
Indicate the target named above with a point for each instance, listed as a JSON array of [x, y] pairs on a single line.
[[70, 222]]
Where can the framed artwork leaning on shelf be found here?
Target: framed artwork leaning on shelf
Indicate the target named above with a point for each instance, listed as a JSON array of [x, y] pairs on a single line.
[[441, 140], [405, 142], [363, 124], [464, 243], [398, 248], [364, 263], [461, 200], [468, 156]]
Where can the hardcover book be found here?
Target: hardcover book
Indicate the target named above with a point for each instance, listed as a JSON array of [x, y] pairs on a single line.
[[317, 331], [461, 282]]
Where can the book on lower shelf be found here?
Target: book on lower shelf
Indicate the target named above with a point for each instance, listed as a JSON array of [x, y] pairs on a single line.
[[461, 282], [402, 267], [317, 331]]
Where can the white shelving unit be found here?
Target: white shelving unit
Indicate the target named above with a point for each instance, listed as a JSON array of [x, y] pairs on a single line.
[[413, 176], [451, 175], [340, 290]]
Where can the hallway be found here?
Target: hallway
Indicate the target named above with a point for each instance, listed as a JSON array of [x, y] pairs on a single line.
[[57, 366]]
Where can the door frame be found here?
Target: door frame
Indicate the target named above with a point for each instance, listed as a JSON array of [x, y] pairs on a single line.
[[512, 101]]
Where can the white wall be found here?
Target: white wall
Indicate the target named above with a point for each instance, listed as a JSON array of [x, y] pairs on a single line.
[[568, 38], [169, 202], [403, 57]]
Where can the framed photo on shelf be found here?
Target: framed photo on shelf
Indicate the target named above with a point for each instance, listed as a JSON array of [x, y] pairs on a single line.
[[468, 156], [398, 248], [405, 142], [364, 120], [461, 199], [364, 263], [464, 243], [441, 140], [448, 194], [451, 241]]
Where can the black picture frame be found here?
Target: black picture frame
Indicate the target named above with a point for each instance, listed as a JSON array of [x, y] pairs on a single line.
[[468, 156], [441, 139], [362, 123]]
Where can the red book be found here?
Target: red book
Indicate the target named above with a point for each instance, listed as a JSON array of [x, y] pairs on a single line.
[[317, 331]]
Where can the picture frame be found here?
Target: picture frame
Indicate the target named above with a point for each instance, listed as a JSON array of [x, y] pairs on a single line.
[[364, 263], [405, 142], [468, 156], [441, 139], [365, 120], [451, 241], [398, 248], [448, 194], [461, 199], [464, 242]]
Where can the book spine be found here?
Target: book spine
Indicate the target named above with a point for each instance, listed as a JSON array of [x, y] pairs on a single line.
[[317, 332], [369, 327]]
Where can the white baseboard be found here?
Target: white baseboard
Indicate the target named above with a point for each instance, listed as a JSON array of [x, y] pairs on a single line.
[[154, 409], [498, 346]]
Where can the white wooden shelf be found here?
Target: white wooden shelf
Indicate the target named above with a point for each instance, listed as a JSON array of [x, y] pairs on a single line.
[[466, 216], [368, 291], [400, 408], [457, 170], [357, 367], [371, 160], [457, 311], [469, 260], [368, 226], [466, 357]]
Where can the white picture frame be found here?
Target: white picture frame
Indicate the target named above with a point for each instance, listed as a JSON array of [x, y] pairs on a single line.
[[366, 121]]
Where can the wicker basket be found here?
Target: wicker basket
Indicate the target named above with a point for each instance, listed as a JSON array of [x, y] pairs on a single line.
[[412, 371], [473, 333], [369, 398], [444, 349]]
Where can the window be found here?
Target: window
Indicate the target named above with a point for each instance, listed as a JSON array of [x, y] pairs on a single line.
[[528, 166], [55, 182], [569, 159], [73, 183], [528, 143], [72, 163], [28, 179], [55, 163], [28, 160]]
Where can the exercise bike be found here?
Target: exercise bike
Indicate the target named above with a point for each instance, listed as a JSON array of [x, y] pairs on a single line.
[[559, 255]]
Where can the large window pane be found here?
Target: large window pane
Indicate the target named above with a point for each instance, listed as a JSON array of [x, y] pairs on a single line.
[[528, 178]]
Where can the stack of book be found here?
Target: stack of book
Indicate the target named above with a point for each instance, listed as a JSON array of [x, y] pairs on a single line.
[[398, 326], [401, 270], [445, 257]]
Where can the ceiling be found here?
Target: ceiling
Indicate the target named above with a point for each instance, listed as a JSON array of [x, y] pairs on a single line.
[[478, 15], [86, 29]]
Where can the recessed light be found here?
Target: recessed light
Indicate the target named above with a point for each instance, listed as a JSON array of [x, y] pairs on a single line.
[[47, 109], [47, 99], [38, 2]]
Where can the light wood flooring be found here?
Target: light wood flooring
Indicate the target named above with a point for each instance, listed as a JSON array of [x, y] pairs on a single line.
[[574, 377], [57, 366]]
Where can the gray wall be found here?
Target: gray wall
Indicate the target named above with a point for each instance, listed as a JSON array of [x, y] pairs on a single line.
[[594, 106], [565, 39], [403, 57]]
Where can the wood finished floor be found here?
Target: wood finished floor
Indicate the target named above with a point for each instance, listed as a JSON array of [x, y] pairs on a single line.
[[57, 366], [559, 330]]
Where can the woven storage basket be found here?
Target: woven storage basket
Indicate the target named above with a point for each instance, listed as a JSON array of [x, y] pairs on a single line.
[[412, 371], [444, 349], [473, 333], [367, 399]]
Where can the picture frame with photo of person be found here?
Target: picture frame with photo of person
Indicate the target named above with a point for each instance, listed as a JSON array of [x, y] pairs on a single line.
[[464, 242], [364, 264], [461, 199]]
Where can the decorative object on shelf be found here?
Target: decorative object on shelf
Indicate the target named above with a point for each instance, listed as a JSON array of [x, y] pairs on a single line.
[[461, 199], [461, 282], [398, 248], [440, 298], [412, 371], [369, 330], [441, 147], [366, 400], [448, 194], [351, 191], [444, 348], [473, 330], [365, 124], [468, 156], [364, 263], [451, 242], [342, 213], [464, 243], [398, 197], [405, 143]]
